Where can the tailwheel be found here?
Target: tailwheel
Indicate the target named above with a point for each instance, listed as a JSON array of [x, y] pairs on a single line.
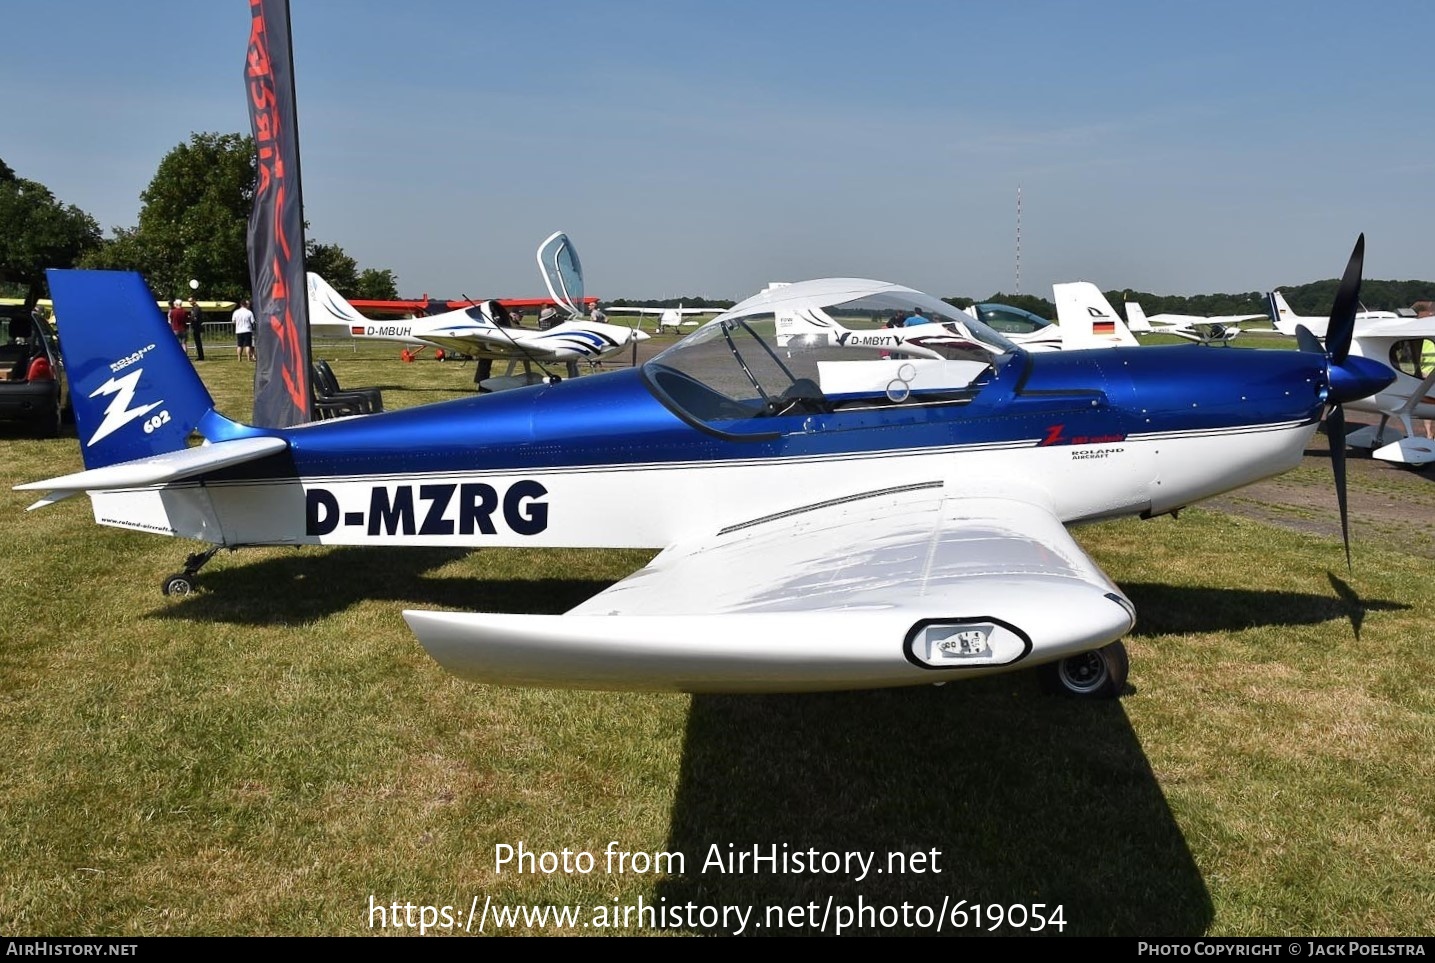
[[1098, 674], [184, 583]]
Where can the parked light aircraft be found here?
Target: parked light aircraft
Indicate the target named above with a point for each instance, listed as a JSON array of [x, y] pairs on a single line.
[[475, 330], [1219, 329], [669, 318], [1406, 344], [826, 520], [1084, 324], [1287, 321]]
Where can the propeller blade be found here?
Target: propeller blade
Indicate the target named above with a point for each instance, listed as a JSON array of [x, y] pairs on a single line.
[[1308, 341], [1347, 299], [1335, 433]]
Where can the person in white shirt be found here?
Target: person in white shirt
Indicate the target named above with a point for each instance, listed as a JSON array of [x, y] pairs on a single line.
[[243, 331]]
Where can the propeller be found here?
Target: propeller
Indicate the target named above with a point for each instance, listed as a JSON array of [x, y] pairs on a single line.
[[1347, 378]]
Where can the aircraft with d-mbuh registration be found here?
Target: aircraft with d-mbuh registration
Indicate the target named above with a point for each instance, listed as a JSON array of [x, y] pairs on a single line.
[[826, 519], [486, 330]]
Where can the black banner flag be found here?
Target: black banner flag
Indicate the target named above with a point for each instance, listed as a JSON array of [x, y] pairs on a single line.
[[276, 224]]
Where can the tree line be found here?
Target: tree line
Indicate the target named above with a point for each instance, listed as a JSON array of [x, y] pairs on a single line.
[[193, 224], [194, 217]]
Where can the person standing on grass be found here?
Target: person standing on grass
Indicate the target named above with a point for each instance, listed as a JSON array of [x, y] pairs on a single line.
[[179, 323], [1427, 364], [196, 324], [243, 331]]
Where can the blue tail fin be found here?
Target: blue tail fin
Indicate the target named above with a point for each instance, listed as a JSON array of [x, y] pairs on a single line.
[[133, 389]]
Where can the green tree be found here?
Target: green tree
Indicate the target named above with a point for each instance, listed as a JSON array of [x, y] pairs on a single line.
[[377, 284], [38, 233], [193, 221], [333, 265]]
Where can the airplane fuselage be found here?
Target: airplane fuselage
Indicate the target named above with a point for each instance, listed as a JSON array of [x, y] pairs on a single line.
[[604, 461], [1393, 397]]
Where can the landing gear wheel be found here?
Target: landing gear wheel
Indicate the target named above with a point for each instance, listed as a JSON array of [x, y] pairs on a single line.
[[1098, 674], [183, 583]]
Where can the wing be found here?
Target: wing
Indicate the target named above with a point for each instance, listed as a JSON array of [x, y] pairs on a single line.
[[899, 587], [633, 310]]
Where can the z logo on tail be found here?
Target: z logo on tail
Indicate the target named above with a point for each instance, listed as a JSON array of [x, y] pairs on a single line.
[[118, 412]]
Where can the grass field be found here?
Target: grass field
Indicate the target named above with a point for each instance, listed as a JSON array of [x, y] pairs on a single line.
[[275, 754]]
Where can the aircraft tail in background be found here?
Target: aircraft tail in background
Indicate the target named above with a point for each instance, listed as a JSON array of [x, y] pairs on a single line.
[[328, 310], [1286, 320], [1087, 319], [1136, 318]]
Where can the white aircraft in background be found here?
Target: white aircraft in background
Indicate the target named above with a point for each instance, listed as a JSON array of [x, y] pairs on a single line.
[[1286, 321], [1087, 319], [1407, 346], [485, 331], [1086, 323], [1219, 329], [669, 318]]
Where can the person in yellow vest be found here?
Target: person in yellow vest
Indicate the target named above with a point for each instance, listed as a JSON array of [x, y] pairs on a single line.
[[1427, 364]]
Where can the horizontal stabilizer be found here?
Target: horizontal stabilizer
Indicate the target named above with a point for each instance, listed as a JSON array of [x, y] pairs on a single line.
[[158, 469]]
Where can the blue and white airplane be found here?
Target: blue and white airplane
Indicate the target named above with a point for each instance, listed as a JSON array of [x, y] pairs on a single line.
[[826, 520], [483, 331]]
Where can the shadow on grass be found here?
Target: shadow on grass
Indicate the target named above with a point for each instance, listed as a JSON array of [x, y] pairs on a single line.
[[310, 585], [1025, 798], [1174, 609]]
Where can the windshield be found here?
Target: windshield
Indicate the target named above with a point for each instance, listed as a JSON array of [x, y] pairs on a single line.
[[1009, 320], [803, 356]]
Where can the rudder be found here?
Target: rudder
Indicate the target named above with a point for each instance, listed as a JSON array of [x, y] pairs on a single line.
[[132, 386], [327, 306]]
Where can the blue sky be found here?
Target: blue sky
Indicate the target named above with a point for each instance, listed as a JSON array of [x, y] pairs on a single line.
[[708, 148]]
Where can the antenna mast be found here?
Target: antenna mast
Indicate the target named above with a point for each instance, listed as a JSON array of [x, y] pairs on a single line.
[[1018, 239]]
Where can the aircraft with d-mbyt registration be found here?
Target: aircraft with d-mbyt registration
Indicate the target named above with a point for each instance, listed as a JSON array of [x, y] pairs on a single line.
[[826, 520], [1086, 321]]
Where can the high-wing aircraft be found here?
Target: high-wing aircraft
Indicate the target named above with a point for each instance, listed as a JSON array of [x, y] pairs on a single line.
[[941, 337], [1406, 344], [669, 318], [483, 330], [1287, 321], [826, 520], [1219, 329]]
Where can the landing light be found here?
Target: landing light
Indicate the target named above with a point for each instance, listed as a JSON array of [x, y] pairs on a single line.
[[956, 643]]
